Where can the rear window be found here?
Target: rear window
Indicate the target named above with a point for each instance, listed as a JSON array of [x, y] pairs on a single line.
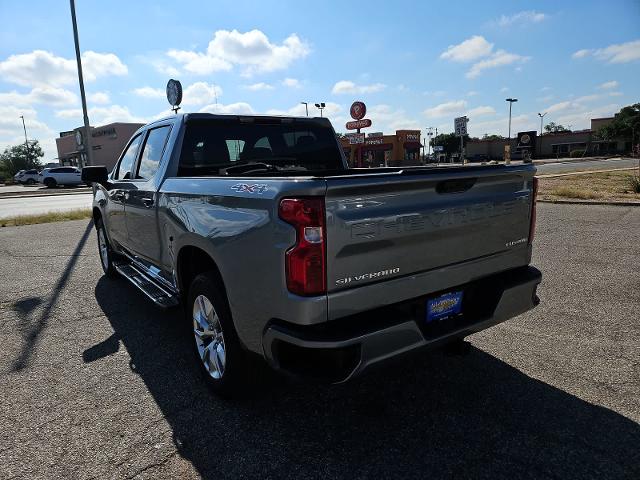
[[211, 146]]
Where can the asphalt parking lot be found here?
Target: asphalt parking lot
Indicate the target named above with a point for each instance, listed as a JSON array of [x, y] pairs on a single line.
[[96, 382]]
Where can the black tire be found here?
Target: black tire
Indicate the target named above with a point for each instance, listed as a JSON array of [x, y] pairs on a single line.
[[234, 379], [31, 181], [50, 182], [106, 253]]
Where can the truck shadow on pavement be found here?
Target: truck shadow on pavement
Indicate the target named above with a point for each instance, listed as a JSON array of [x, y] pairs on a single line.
[[429, 415]]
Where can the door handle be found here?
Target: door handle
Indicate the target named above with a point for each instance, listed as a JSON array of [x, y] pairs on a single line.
[[148, 202]]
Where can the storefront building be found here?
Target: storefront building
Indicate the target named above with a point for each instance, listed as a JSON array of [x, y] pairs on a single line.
[[550, 145], [380, 150], [107, 142]]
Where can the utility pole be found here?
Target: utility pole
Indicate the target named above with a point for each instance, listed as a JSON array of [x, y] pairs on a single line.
[[26, 143], [510, 100], [541, 115], [306, 107], [87, 130]]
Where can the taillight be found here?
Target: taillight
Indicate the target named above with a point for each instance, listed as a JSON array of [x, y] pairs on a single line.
[[305, 261], [534, 194]]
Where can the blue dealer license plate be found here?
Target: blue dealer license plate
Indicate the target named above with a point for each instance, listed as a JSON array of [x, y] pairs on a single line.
[[444, 306]]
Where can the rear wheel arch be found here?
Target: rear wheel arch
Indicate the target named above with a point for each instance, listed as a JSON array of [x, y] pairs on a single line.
[[191, 262]]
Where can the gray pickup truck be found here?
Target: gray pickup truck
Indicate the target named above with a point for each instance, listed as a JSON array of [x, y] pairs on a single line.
[[273, 245]]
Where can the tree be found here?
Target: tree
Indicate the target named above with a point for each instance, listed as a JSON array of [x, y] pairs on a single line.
[[486, 136], [552, 127], [15, 158], [625, 124], [450, 142]]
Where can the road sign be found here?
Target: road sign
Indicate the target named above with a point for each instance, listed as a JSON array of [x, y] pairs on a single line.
[[438, 148], [365, 122], [460, 126], [358, 110], [355, 138]]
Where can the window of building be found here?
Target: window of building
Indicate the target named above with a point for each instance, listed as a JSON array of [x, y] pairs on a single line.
[[128, 157], [152, 152]]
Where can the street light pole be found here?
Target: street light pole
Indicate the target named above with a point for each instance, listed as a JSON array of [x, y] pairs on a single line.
[[510, 100], [26, 142], [541, 115], [87, 131], [306, 107], [320, 106]]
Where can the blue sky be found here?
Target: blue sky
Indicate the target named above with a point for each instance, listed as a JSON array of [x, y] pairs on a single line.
[[415, 64]]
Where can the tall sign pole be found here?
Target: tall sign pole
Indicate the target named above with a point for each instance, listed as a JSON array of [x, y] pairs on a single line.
[[87, 130]]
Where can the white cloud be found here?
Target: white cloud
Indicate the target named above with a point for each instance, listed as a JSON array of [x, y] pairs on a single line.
[[434, 93], [472, 93], [347, 86], [40, 95], [99, 98], [446, 109], [11, 132], [582, 53], [504, 89], [150, 92], [259, 86], [42, 68], [239, 108], [519, 123], [253, 50], [95, 65], [479, 111], [528, 16], [471, 49], [331, 110], [497, 59], [608, 85], [388, 119], [580, 117], [291, 83], [102, 115], [199, 63], [617, 53], [200, 93]]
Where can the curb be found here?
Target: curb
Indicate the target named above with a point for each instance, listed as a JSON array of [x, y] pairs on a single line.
[[591, 202]]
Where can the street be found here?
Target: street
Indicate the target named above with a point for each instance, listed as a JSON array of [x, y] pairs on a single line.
[[13, 205], [31, 205], [573, 166], [98, 383]]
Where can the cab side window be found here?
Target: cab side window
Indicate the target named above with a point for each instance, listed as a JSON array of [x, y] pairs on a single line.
[[128, 157], [152, 152]]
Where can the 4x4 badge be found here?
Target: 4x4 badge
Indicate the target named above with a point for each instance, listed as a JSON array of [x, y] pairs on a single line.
[[245, 188]]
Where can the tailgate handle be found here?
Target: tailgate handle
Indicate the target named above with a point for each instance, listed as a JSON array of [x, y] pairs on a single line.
[[455, 186]]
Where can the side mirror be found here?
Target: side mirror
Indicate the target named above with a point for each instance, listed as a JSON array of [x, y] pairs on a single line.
[[97, 174]]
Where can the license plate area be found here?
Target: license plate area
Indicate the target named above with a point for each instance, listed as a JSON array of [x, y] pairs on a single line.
[[444, 307]]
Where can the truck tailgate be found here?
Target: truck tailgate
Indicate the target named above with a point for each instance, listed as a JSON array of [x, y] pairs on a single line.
[[386, 227]]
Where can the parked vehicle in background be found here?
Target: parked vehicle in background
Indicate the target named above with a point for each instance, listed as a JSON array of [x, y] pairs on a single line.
[[275, 247], [27, 177], [17, 176], [52, 177]]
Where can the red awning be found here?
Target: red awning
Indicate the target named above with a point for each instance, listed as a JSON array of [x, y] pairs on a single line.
[[412, 145]]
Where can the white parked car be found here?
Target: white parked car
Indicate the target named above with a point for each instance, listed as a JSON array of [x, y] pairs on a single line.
[[52, 177], [28, 177]]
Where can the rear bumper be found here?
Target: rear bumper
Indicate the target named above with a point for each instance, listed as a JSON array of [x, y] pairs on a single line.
[[340, 349]]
